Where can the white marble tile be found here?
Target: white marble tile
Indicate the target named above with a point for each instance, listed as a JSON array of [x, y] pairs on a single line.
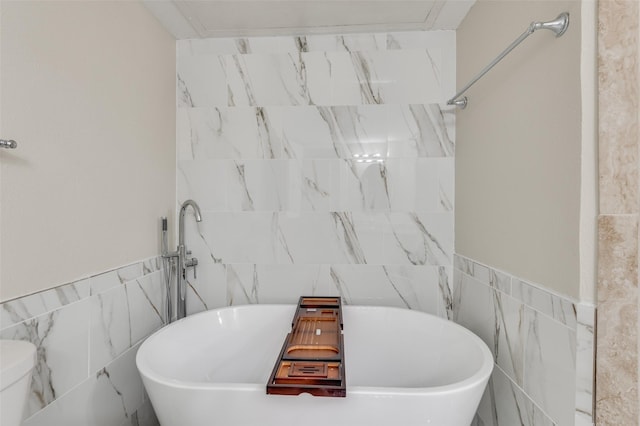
[[24, 308], [317, 73], [332, 43], [413, 287], [445, 292], [536, 347], [484, 274], [186, 146], [108, 280], [509, 338], [151, 265], [419, 238], [338, 237], [392, 184], [72, 409], [480, 272], [234, 132], [208, 289], [512, 406], [500, 281], [349, 132], [239, 87], [238, 237], [354, 42], [243, 286], [266, 80], [106, 398], [557, 307], [365, 186], [446, 185], [361, 130], [420, 130], [104, 282], [311, 43], [66, 340], [110, 327], [477, 421], [365, 285], [366, 68], [249, 45], [119, 388], [196, 240], [145, 416], [205, 181], [426, 191], [369, 234], [349, 84], [146, 298], [473, 307], [319, 185], [550, 366], [404, 184], [200, 82], [486, 413], [445, 41], [261, 185], [310, 132], [360, 42], [408, 76], [276, 283], [62, 339], [433, 187], [585, 360], [463, 264], [583, 420]]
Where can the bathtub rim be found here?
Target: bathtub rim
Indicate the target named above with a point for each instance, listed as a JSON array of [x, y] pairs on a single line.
[[480, 376]]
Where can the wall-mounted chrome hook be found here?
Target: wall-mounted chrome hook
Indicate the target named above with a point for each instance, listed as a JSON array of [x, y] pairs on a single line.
[[9, 144]]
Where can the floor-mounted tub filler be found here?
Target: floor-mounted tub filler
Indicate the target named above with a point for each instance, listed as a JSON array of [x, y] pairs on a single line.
[[403, 368]]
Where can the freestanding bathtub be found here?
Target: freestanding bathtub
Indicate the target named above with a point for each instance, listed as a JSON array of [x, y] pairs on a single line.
[[402, 368]]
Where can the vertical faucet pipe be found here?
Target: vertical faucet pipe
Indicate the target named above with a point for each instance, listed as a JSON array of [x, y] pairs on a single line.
[[166, 268], [182, 257]]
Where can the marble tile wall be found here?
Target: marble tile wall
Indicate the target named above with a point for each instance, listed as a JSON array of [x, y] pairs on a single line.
[[322, 164], [617, 374], [543, 345], [87, 334]]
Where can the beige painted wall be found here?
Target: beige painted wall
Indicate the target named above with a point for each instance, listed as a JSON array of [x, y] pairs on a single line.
[[518, 153], [88, 91]]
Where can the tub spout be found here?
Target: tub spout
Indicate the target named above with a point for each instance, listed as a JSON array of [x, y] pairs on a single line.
[[183, 210], [183, 261]]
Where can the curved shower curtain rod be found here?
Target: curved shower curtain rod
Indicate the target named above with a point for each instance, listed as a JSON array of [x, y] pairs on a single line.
[[558, 26]]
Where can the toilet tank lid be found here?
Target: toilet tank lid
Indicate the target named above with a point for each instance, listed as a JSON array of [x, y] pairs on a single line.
[[17, 358]]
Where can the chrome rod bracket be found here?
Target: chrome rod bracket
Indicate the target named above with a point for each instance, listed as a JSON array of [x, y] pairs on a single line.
[[460, 103], [558, 26], [9, 144]]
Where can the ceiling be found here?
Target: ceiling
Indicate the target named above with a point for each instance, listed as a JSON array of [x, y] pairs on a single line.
[[243, 18]]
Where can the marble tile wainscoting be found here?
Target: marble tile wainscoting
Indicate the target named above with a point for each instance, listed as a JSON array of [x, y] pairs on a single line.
[[87, 335], [543, 345], [322, 164]]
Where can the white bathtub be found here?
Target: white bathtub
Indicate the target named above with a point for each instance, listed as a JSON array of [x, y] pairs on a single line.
[[402, 368]]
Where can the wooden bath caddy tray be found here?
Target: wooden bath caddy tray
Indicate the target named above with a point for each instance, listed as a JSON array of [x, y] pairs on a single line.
[[312, 356]]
